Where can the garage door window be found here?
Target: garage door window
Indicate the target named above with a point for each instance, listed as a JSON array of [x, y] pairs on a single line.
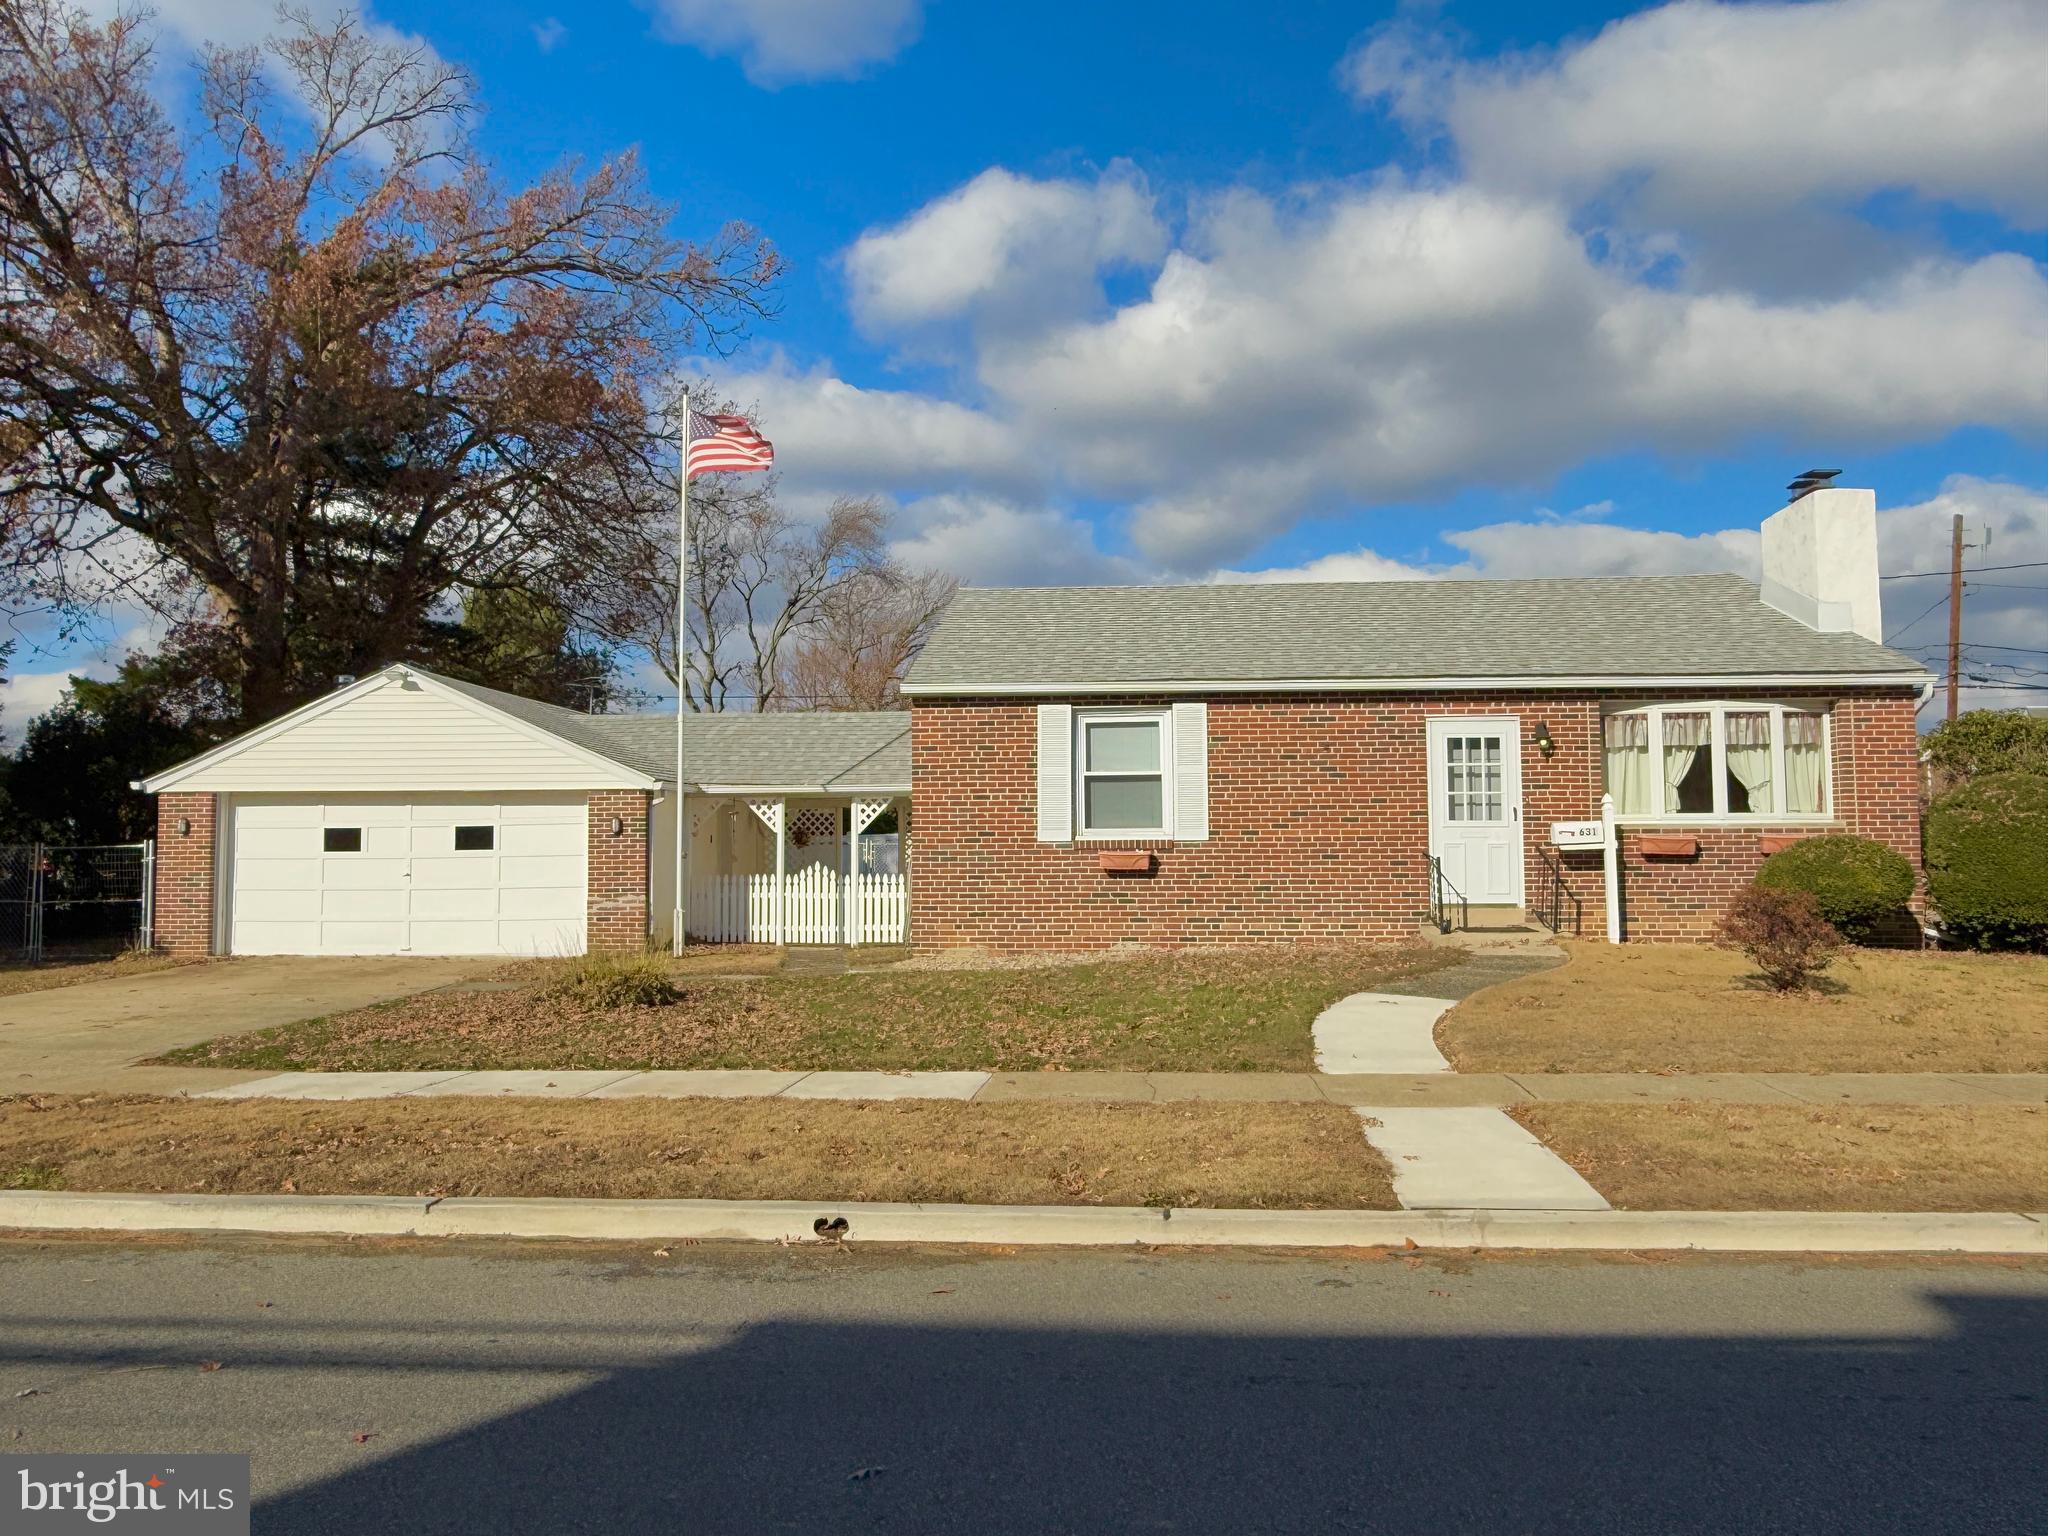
[[341, 840], [475, 839]]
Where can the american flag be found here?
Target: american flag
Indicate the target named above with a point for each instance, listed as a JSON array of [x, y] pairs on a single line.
[[725, 442]]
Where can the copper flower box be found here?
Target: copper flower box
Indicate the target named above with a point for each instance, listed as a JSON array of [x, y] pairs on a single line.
[[1668, 845], [1138, 861], [1777, 842]]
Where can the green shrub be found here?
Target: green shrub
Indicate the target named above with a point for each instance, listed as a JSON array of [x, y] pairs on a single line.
[[603, 981], [1783, 934], [1986, 741], [1987, 861], [1857, 883]]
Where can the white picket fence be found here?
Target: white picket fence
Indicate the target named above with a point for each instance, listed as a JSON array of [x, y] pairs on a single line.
[[819, 906]]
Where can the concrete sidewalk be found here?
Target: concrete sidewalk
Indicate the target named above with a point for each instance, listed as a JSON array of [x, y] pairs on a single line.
[[1412, 1090]]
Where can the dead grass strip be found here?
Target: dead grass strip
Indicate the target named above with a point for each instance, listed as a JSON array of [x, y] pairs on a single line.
[[1214, 1155]]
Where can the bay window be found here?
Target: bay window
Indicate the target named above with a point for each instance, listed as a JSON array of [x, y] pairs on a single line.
[[1718, 761]]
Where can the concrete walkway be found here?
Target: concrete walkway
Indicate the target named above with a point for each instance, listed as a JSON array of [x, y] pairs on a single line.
[[1430, 1090], [1472, 1159], [1380, 1032]]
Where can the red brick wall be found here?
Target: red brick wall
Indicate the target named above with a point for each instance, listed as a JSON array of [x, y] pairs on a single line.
[[183, 912], [618, 870], [1319, 824]]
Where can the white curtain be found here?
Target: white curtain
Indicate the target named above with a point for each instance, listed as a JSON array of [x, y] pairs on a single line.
[[1749, 758], [1685, 737], [1805, 764], [1628, 763]]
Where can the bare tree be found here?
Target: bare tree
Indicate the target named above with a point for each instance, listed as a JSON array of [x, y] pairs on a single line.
[[866, 635], [328, 370]]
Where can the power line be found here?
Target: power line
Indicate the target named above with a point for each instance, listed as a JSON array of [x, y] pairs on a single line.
[[2004, 586], [1938, 603], [2024, 565]]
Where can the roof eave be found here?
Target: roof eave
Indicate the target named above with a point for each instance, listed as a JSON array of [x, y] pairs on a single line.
[[1539, 683]]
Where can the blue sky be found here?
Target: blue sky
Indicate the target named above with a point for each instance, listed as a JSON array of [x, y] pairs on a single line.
[[1150, 293]]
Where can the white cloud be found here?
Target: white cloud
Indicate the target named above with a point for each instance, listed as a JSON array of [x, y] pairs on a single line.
[[1712, 109], [988, 541], [780, 41], [1396, 342], [547, 34], [1006, 248], [831, 435]]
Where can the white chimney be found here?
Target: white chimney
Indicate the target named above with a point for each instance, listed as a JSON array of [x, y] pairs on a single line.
[[1820, 561]]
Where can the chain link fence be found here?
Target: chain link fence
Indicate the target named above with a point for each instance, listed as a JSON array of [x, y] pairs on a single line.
[[62, 901]]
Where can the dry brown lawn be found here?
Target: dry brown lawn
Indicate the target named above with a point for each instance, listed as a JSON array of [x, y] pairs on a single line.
[[41, 977], [1197, 1011], [1688, 1008], [1770, 1157], [1215, 1155]]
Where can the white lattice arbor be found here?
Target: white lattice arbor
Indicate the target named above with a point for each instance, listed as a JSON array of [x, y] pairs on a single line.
[[820, 889]]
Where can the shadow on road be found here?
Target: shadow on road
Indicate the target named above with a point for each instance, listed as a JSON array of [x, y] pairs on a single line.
[[852, 1428]]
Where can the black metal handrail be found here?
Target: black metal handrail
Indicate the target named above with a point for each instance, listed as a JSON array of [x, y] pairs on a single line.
[[1556, 894], [1442, 896]]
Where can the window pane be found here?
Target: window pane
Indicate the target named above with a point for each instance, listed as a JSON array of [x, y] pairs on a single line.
[[1749, 762], [341, 840], [1688, 762], [1123, 746], [475, 839], [1628, 763], [1806, 768], [1113, 804]]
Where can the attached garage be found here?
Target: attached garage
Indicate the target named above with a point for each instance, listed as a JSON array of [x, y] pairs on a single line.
[[456, 874]]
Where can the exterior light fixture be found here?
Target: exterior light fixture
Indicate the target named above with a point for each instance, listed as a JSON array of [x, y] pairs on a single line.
[[184, 826], [618, 826], [1545, 742]]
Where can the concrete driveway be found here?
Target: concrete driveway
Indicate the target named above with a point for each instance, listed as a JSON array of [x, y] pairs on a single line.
[[84, 1038]]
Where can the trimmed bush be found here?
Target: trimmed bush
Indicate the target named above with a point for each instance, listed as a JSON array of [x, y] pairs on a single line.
[[1783, 934], [1987, 861], [603, 981], [1986, 741], [1857, 883]]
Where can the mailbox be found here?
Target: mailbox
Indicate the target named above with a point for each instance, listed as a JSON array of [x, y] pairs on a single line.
[[1578, 834]]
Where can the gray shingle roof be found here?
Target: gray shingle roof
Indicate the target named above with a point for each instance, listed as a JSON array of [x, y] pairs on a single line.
[[1637, 626], [832, 752]]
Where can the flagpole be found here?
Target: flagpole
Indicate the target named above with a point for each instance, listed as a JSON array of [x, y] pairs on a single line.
[[682, 912]]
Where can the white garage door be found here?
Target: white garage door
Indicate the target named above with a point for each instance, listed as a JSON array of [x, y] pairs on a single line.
[[454, 874]]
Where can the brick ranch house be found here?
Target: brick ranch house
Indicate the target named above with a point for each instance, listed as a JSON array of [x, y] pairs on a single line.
[[1094, 766], [1284, 762]]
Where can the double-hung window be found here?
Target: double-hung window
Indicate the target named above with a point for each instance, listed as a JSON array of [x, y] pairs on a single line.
[[1123, 782], [1718, 761]]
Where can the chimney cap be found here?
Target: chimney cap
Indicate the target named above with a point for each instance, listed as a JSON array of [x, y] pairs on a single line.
[[1810, 480]]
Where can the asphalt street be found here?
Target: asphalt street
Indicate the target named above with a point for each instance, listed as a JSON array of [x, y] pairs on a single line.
[[413, 1387]]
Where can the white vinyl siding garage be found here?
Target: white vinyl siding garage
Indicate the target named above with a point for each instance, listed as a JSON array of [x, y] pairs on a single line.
[[407, 888]]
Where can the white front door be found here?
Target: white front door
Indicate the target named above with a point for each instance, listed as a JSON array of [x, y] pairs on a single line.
[[1475, 806]]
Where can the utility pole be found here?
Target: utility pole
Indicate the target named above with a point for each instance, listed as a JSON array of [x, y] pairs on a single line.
[[1955, 610]]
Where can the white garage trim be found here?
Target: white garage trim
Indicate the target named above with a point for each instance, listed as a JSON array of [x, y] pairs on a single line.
[[383, 874], [461, 742]]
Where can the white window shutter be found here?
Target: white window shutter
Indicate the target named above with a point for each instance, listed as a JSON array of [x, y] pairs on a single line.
[[1055, 773], [1190, 773]]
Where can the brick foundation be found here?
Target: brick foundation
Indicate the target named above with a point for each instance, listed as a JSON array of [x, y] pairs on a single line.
[[1319, 824], [617, 893], [183, 910]]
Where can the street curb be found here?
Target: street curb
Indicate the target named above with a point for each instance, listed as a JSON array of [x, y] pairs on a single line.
[[1990, 1232]]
